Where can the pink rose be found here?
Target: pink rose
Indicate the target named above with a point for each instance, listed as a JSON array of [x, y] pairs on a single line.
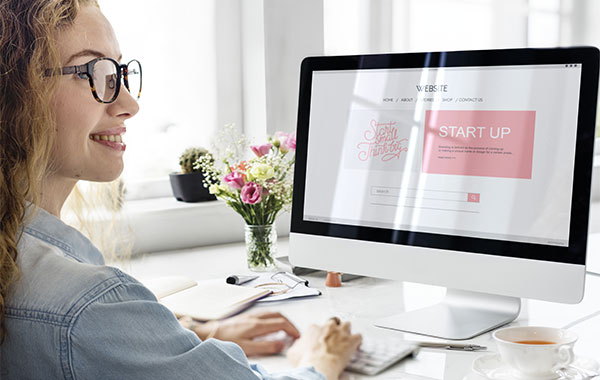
[[251, 193], [290, 142], [287, 141], [261, 150], [234, 179]]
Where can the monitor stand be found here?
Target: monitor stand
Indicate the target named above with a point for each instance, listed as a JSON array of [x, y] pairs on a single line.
[[461, 315], [300, 271]]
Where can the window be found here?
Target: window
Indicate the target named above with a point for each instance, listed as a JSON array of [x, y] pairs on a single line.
[[544, 22], [176, 43], [376, 26], [363, 26], [212, 62], [197, 69]]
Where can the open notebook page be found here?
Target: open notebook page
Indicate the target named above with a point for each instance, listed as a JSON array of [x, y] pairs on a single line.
[[207, 300], [167, 285]]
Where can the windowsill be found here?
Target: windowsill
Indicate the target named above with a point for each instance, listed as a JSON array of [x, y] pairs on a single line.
[[163, 204], [162, 224]]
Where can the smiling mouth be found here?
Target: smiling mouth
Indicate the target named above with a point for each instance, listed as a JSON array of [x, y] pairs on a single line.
[[111, 141], [113, 138]]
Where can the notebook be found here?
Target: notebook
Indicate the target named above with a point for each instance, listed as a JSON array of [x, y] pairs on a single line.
[[203, 300]]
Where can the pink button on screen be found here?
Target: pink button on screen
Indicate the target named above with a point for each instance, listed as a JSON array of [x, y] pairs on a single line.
[[473, 197], [479, 143]]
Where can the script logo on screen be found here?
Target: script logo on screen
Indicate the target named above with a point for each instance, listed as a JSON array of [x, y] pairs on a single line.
[[381, 142]]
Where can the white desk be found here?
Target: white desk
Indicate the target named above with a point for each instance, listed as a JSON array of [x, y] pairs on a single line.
[[363, 300]]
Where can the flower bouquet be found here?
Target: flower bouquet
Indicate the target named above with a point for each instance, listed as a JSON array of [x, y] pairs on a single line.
[[258, 189]]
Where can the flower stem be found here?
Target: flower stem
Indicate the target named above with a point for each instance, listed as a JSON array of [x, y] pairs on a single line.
[[261, 246]]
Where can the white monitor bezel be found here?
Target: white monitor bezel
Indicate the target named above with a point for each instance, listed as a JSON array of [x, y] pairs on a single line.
[[483, 265]]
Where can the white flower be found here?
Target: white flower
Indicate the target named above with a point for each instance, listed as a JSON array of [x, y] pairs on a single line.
[[262, 171]]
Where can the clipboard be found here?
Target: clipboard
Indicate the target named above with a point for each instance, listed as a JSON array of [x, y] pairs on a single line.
[[283, 286]]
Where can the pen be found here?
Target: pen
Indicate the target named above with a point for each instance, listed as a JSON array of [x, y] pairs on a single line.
[[294, 278], [452, 346], [238, 280]]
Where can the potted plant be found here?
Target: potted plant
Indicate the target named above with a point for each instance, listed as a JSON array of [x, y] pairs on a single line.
[[188, 185]]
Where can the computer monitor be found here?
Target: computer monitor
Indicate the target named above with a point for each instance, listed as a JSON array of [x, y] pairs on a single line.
[[468, 169]]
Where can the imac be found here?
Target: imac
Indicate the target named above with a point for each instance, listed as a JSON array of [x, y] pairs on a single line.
[[468, 169]]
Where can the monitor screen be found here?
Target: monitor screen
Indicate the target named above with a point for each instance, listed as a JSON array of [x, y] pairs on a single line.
[[466, 151]]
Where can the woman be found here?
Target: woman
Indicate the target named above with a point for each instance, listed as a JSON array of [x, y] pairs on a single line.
[[64, 314]]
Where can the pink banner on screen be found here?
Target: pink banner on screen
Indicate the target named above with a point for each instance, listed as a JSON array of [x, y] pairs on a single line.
[[479, 143]]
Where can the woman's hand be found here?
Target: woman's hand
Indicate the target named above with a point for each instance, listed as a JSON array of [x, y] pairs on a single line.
[[243, 328], [328, 348]]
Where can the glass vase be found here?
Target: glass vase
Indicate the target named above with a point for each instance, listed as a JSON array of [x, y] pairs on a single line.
[[261, 247]]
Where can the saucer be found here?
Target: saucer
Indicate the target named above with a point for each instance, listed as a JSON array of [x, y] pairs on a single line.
[[493, 368]]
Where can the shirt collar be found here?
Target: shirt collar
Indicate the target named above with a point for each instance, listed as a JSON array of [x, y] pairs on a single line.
[[73, 243]]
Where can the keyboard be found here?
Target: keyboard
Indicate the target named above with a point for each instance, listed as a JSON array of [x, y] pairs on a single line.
[[376, 355]]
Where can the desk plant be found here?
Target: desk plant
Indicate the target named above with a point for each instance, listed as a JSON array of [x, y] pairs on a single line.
[[188, 186], [258, 189]]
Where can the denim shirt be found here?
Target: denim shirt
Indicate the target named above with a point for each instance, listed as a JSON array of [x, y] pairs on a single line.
[[71, 317]]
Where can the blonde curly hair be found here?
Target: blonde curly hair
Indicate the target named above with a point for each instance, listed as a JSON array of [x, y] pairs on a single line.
[[27, 127]]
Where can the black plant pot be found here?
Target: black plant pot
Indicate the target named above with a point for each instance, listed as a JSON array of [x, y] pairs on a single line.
[[189, 187]]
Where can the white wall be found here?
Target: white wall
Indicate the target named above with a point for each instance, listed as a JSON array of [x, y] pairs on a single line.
[[229, 62], [253, 68], [293, 31], [276, 36], [585, 26]]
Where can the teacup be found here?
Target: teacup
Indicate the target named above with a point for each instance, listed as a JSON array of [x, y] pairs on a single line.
[[535, 352]]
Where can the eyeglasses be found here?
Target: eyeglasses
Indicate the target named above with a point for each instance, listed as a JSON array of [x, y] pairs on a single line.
[[104, 75]]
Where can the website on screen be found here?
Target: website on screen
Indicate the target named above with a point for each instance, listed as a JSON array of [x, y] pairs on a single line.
[[471, 151]]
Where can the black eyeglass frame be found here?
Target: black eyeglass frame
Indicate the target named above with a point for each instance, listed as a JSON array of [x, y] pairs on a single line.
[[87, 69]]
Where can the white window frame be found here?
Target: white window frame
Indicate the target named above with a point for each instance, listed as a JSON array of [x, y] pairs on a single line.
[[261, 45]]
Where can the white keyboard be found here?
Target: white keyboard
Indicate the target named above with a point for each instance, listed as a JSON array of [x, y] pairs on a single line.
[[373, 355]]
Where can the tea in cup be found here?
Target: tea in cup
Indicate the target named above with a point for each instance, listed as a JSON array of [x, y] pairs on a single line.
[[535, 352]]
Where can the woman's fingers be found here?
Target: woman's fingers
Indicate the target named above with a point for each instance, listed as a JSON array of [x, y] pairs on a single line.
[[356, 340], [271, 325], [346, 327], [327, 347], [256, 348], [266, 314], [266, 322]]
